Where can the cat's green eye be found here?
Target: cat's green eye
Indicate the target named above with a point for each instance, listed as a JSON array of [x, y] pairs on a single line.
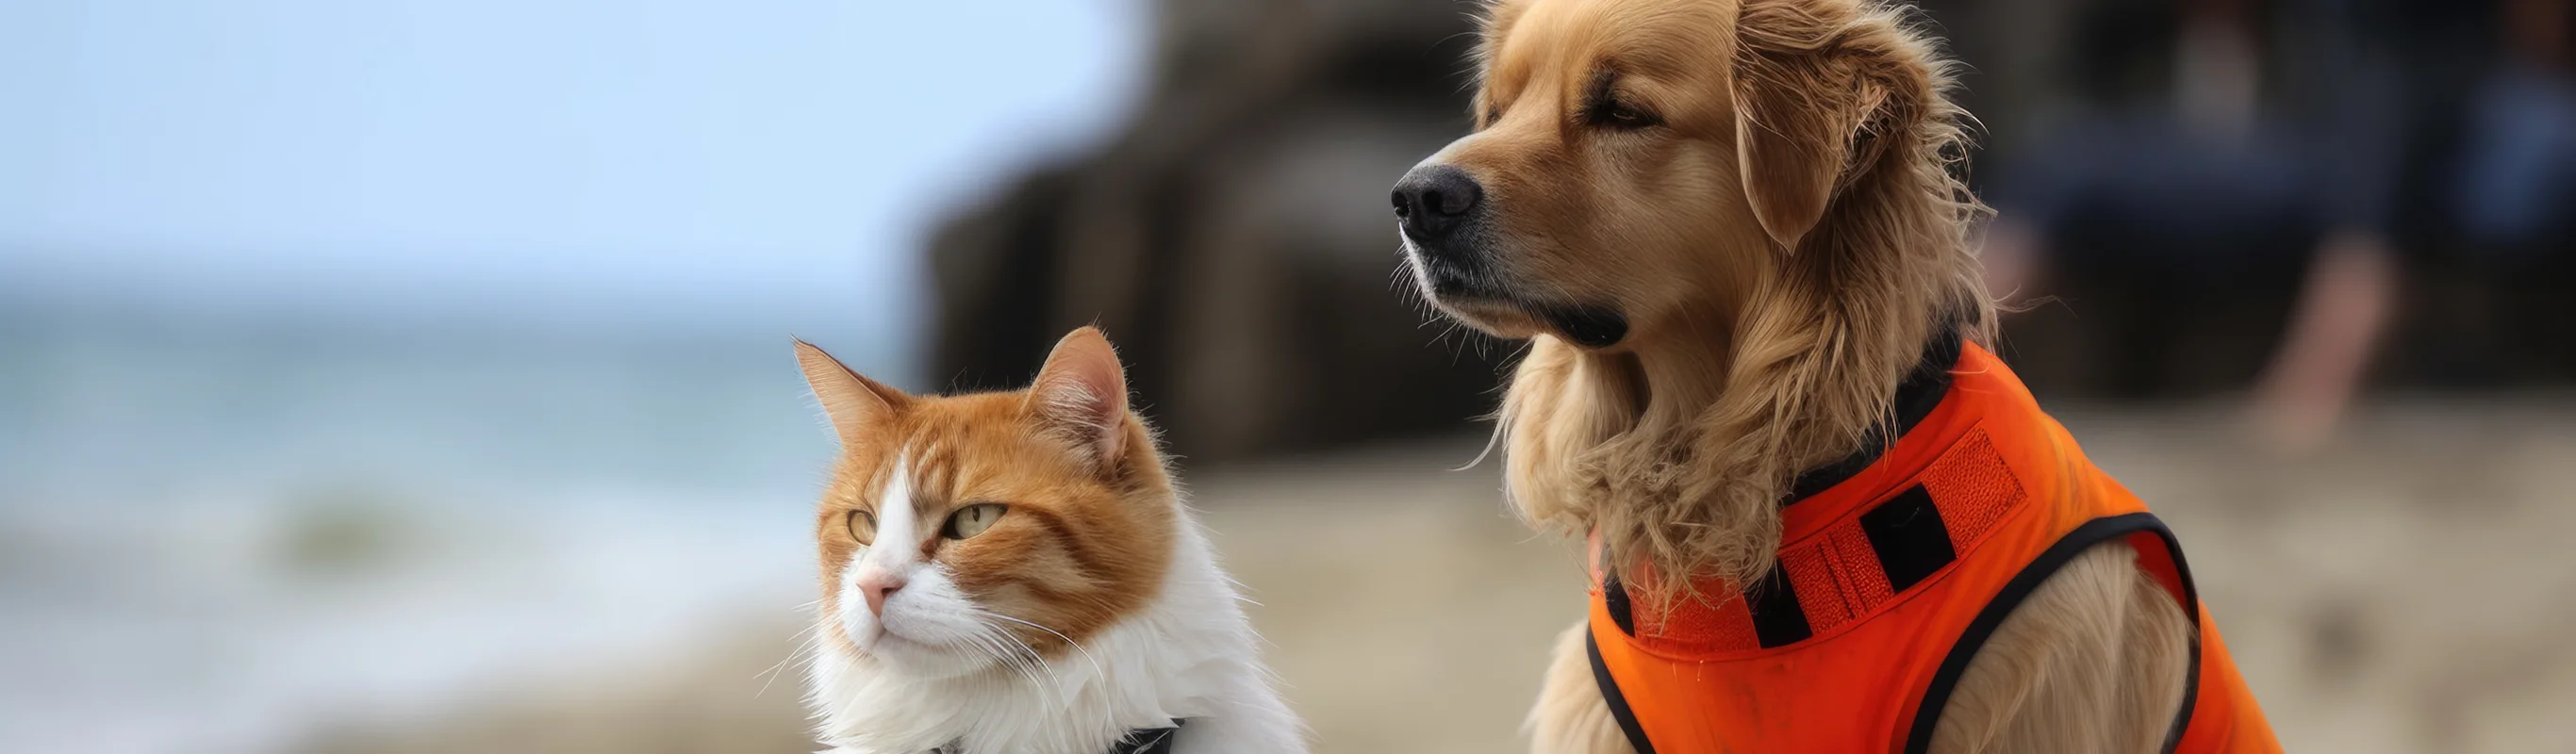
[[972, 520], [863, 527]]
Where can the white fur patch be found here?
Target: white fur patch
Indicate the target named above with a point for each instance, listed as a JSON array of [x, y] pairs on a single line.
[[938, 670]]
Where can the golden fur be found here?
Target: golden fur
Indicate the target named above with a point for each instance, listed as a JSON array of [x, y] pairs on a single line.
[[2092, 661], [1774, 206], [1780, 283]]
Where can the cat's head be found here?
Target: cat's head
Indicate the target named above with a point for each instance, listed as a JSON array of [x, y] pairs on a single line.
[[962, 530]]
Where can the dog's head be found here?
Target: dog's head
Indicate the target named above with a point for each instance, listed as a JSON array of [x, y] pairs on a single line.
[[1739, 221], [1633, 159]]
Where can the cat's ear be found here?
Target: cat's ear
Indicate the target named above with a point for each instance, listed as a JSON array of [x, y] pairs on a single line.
[[1081, 395], [858, 406]]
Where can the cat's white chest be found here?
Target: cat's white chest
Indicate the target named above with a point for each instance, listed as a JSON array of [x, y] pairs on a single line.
[[1190, 657]]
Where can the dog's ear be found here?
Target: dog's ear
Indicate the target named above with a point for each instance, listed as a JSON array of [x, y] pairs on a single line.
[[1811, 90]]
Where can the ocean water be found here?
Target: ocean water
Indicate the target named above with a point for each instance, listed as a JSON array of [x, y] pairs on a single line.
[[219, 537]]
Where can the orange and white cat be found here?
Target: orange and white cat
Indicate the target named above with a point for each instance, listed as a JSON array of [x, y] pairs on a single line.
[[1014, 573]]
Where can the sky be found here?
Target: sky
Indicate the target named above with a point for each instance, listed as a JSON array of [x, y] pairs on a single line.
[[756, 163]]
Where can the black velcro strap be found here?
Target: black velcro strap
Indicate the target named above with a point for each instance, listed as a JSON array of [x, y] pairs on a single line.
[[1619, 710], [1777, 618], [1907, 533], [1148, 740]]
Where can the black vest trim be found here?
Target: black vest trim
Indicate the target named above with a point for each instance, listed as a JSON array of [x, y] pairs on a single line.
[[1936, 698], [1619, 710], [1614, 597], [1920, 392]]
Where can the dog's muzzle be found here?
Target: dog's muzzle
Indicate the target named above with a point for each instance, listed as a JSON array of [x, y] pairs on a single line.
[[1442, 211]]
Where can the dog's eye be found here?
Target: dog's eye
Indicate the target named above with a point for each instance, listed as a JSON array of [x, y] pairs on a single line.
[[972, 520], [1616, 114]]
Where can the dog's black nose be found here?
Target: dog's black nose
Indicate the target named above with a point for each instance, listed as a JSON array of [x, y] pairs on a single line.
[[1432, 200]]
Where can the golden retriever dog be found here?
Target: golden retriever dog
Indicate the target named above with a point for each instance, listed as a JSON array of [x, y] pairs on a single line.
[[1729, 228]]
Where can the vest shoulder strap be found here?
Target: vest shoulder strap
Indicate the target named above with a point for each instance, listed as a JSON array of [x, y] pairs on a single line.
[[1619, 709], [2158, 553]]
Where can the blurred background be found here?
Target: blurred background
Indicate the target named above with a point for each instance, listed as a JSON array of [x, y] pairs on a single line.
[[413, 376]]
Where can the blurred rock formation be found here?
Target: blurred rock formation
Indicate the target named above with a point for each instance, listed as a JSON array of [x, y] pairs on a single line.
[[1235, 240]]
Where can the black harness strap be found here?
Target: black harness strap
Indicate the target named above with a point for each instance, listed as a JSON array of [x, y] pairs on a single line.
[[1148, 740], [1138, 741]]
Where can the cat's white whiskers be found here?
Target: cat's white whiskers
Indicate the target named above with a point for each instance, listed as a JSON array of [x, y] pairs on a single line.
[[991, 639], [806, 641], [1031, 666], [1101, 674], [1077, 646]]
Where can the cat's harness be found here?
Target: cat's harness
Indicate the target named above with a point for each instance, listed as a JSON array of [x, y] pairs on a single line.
[[1138, 741]]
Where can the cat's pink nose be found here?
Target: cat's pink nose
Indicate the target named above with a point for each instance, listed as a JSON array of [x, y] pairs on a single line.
[[876, 585]]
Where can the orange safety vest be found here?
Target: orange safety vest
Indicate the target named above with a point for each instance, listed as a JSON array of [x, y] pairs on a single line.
[[1887, 583]]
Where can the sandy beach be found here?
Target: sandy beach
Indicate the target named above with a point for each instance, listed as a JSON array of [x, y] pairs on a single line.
[[2407, 590]]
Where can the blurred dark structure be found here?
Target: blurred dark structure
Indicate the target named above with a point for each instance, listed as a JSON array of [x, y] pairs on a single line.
[[1235, 240], [2215, 195]]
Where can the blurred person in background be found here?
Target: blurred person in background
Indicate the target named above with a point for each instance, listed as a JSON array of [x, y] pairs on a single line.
[[2229, 200], [2495, 308]]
